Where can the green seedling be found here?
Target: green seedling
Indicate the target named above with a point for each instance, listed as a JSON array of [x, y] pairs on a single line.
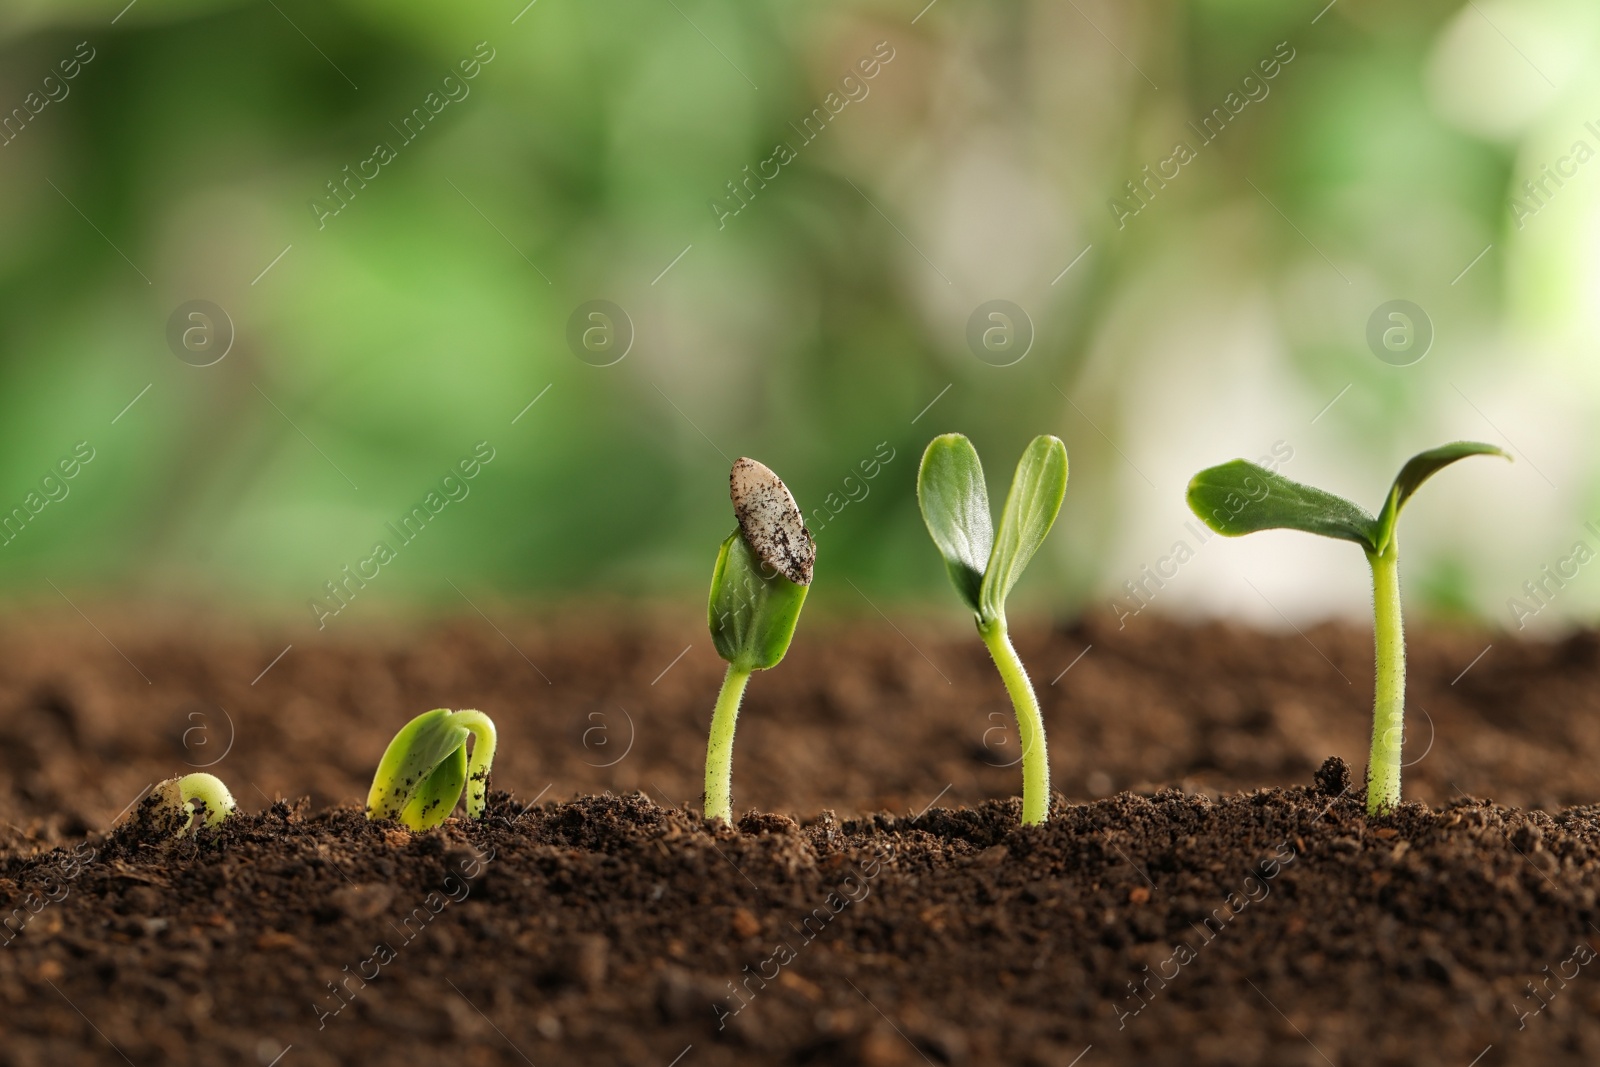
[[1238, 498], [177, 801], [984, 565], [757, 589], [425, 769]]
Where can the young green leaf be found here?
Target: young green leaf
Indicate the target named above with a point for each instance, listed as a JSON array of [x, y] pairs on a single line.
[[423, 771], [752, 616], [1418, 469], [416, 752], [1037, 489], [1239, 498], [438, 792], [955, 507]]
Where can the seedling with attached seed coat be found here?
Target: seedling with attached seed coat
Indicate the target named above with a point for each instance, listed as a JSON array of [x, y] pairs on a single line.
[[425, 768], [1239, 497], [758, 586], [984, 565]]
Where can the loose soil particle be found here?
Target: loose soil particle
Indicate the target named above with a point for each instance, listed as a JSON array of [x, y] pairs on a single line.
[[1193, 925]]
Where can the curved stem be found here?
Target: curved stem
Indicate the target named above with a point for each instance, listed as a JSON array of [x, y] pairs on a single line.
[[481, 727], [719, 751], [1030, 723], [210, 791], [1389, 694]]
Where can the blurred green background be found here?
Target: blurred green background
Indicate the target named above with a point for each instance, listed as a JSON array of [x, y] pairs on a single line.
[[374, 348]]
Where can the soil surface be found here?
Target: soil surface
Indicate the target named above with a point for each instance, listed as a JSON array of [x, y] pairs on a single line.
[[1208, 891]]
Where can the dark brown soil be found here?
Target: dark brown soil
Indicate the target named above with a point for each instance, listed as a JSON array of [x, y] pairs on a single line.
[[1218, 922]]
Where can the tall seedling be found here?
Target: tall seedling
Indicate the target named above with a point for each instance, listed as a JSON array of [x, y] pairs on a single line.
[[1238, 498], [984, 564]]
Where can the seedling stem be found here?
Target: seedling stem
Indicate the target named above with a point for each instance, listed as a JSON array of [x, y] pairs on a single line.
[[1389, 702], [1030, 722], [719, 752]]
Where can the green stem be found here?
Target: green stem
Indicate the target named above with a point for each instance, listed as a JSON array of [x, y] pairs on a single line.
[[1389, 696], [482, 729], [1030, 723], [719, 752]]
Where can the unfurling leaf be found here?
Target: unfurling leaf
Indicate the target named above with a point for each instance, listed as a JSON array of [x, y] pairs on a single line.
[[425, 768], [955, 507], [1239, 498], [1037, 488], [1418, 469], [752, 614]]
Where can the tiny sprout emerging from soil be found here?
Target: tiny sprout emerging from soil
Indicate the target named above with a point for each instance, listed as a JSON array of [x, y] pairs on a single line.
[[757, 589], [425, 768], [1238, 498], [177, 800], [984, 565]]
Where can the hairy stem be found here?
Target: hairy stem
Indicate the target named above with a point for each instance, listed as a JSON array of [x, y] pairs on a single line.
[[481, 727], [1389, 696], [719, 751], [1030, 723]]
